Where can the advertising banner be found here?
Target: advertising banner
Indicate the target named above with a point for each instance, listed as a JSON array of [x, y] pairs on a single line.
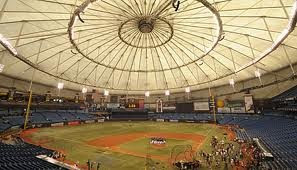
[[168, 108], [73, 123], [100, 120], [224, 110], [113, 105], [201, 106], [57, 124], [89, 121], [249, 104], [238, 110]]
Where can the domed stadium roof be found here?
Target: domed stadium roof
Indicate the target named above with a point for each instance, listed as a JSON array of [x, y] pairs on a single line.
[[146, 45]]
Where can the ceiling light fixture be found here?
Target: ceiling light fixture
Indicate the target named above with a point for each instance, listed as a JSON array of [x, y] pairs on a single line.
[[147, 94], [1, 67], [106, 92], [60, 86], [187, 89], [231, 82], [258, 73], [84, 90]]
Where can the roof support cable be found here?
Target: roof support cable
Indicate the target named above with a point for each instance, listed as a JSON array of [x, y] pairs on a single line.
[[289, 60], [73, 52], [79, 17], [284, 8], [3, 9], [234, 64], [58, 64], [279, 40], [257, 71], [222, 36], [73, 47]]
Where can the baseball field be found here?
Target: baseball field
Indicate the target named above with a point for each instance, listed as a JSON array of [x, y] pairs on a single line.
[[126, 145]]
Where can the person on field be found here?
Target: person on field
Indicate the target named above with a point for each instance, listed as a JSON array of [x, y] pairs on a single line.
[[98, 165], [89, 164]]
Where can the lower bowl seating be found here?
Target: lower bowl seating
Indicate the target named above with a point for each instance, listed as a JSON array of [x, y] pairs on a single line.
[[22, 156]]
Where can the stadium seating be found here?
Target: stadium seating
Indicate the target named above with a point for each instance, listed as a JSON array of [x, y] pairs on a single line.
[[38, 118], [67, 116], [55, 116], [277, 133], [22, 156], [242, 135], [52, 117], [15, 120], [291, 93], [182, 116], [4, 125], [11, 112], [44, 117], [3, 113], [83, 116]]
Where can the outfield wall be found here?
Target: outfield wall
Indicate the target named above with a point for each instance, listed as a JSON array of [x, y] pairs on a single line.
[[60, 124]]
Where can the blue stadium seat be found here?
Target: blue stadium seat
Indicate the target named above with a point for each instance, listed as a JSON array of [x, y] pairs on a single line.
[[22, 156], [278, 134]]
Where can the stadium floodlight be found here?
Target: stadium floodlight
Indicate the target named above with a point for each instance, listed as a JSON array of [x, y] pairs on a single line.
[[147, 94], [167, 93], [84, 90], [187, 89], [60, 86], [1, 67], [7, 45], [231, 82], [258, 73], [106, 92]]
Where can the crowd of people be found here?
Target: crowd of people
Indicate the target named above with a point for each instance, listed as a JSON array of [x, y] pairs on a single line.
[[222, 154], [192, 165], [254, 156], [158, 141], [58, 155], [226, 155]]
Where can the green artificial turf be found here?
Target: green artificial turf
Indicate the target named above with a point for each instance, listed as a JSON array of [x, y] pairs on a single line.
[[72, 139], [142, 145]]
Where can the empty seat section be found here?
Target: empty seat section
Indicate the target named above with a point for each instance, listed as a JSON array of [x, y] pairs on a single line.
[[23, 156]]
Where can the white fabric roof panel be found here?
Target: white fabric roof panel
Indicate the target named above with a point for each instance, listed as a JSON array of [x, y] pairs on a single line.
[[129, 46]]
